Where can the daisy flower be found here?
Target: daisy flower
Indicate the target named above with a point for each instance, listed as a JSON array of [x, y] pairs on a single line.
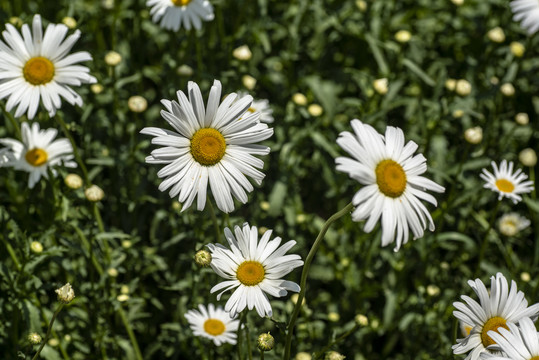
[[38, 152], [175, 12], [393, 185], [253, 268], [507, 183], [496, 310], [213, 323], [38, 67], [528, 12], [510, 224], [262, 106], [518, 343], [214, 145]]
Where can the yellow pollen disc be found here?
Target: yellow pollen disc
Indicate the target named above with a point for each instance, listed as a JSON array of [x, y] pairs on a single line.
[[505, 185], [250, 273], [36, 157], [208, 146], [38, 70], [391, 178], [535, 358], [181, 2], [251, 110], [214, 327], [467, 329], [492, 324]]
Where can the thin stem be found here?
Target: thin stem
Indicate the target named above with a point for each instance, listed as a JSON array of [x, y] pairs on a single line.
[[78, 158], [339, 339], [261, 355], [214, 219], [131, 334], [485, 239], [249, 351], [12, 120], [48, 331], [242, 320], [12, 254], [305, 273]]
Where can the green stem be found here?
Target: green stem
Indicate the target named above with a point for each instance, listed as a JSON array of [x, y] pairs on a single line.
[[485, 239], [249, 351], [305, 273], [78, 158], [242, 320], [12, 120], [131, 334], [214, 219], [48, 331], [261, 355], [12, 254], [339, 339]]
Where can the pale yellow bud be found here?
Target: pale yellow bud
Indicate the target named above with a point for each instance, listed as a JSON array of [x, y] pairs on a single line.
[[496, 35], [463, 87], [299, 99], [126, 244], [375, 324], [36, 247], [457, 2], [303, 356], [184, 70], [248, 81], [65, 293], [403, 36], [381, 86], [107, 4], [54, 342], [137, 104], [294, 298], [97, 88], [265, 342], [334, 317], [522, 118], [124, 289], [17, 21], [333, 355], [474, 135], [433, 290], [262, 230], [494, 80], [315, 110], [112, 272], [528, 157], [176, 205], [203, 258], [122, 297], [34, 338], [507, 89], [112, 58], [242, 53], [300, 218], [94, 193], [264, 205], [69, 22], [361, 320], [361, 5], [73, 181], [458, 113], [451, 84], [525, 276], [517, 49]]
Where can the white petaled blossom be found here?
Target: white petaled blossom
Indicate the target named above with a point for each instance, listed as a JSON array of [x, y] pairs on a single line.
[[393, 185], [253, 269], [173, 14], [38, 152], [510, 224], [37, 66], [518, 343], [528, 12], [505, 182], [213, 323], [496, 310], [213, 145], [262, 106]]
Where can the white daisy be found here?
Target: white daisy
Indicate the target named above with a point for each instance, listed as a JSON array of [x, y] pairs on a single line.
[[518, 343], [393, 186], [254, 268], [5, 156], [506, 183], [38, 152], [262, 106], [174, 13], [528, 12], [214, 145], [38, 67], [510, 224], [497, 310], [213, 323]]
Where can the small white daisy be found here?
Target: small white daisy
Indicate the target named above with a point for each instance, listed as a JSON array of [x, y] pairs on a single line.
[[214, 145], [497, 310], [253, 268], [510, 224], [174, 13], [518, 343], [393, 185], [262, 106], [213, 323], [507, 183], [37, 152], [528, 12], [38, 67]]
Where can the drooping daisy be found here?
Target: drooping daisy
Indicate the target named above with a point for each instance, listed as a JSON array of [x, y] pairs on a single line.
[[507, 183], [528, 12], [213, 323], [213, 145], [518, 343], [174, 13], [38, 151], [262, 106], [496, 310], [393, 185], [253, 268], [510, 224], [38, 67]]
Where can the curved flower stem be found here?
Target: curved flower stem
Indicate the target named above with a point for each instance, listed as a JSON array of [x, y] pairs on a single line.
[[242, 320], [66, 132], [305, 273], [48, 331], [485, 239], [339, 339], [214, 219], [11, 120], [131, 334]]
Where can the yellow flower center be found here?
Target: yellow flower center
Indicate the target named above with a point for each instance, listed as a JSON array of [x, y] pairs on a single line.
[[181, 2], [467, 330], [250, 273], [38, 70], [251, 110], [535, 358], [492, 324], [208, 146], [391, 178], [36, 157], [214, 327], [505, 185]]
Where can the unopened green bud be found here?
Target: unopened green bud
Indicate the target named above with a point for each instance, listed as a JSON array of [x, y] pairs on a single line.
[[265, 342]]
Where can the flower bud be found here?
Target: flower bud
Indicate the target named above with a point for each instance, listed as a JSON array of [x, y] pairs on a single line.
[[137, 104], [451, 84], [457, 2], [333, 355], [315, 110], [403, 36], [361, 5], [34, 338], [361, 320], [474, 135], [510, 224], [112, 58], [381, 86], [94, 193], [264, 205], [65, 293], [496, 35], [184, 70], [525, 276], [463, 87], [507, 89], [333, 316], [248, 81], [517, 49], [433, 290], [242, 53], [494, 80], [522, 119], [303, 356], [126, 244], [112, 272], [203, 258], [528, 157], [73, 181], [36, 247], [122, 297], [457, 114], [17, 21], [265, 342], [69, 22], [299, 99], [97, 88]]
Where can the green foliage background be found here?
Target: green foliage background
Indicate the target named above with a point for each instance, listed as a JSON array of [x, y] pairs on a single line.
[[331, 51]]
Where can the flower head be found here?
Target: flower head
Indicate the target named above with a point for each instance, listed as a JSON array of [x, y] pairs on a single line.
[[175, 13], [213, 323], [38, 152], [393, 185], [38, 67], [507, 183], [510, 224], [495, 311], [528, 12], [262, 106], [65, 293], [254, 268], [213, 145], [516, 342]]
